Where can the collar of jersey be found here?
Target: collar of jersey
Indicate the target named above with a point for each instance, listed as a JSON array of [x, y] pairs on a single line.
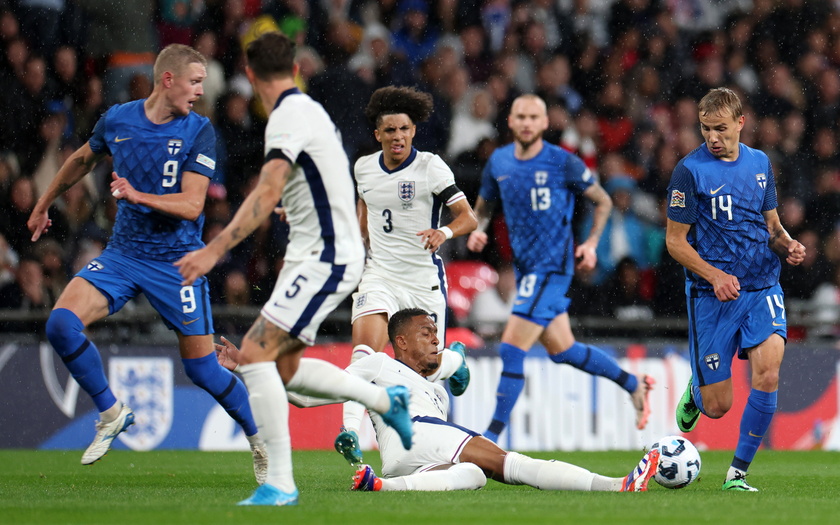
[[406, 163], [292, 91]]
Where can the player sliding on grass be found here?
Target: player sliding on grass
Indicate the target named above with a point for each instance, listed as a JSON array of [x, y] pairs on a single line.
[[445, 456]]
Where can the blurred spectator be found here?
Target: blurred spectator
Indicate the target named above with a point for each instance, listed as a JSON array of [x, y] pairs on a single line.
[[21, 200], [825, 307], [802, 281], [214, 84], [414, 37], [39, 23], [473, 124], [242, 144], [622, 295], [8, 262], [28, 291], [390, 69]]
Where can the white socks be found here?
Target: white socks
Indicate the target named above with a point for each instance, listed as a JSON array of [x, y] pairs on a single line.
[[316, 377], [360, 351], [545, 475], [271, 414], [461, 476], [450, 362]]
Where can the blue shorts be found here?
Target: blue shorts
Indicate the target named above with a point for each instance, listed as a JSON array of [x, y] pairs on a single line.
[[717, 330], [121, 278], [540, 297]]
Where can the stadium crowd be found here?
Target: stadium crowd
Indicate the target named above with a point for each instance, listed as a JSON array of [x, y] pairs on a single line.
[[621, 79]]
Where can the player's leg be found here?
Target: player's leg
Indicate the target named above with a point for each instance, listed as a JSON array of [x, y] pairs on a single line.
[[765, 362], [460, 476], [564, 349], [370, 335], [373, 303], [518, 337]]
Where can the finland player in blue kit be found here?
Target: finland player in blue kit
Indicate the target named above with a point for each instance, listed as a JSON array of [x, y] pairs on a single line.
[[163, 156], [537, 183], [724, 229]]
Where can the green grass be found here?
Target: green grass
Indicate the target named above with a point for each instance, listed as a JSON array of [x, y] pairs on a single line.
[[201, 487]]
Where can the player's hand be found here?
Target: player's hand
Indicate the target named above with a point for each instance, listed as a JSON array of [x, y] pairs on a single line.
[[585, 257], [432, 239], [227, 354], [121, 189], [726, 287], [281, 213], [195, 264], [477, 241], [38, 224], [796, 253]]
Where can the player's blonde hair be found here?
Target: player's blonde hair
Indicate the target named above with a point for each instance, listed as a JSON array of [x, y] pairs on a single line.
[[175, 58], [720, 101]]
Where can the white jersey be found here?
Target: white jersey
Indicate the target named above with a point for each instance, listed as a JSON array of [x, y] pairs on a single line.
[[428, 399], [401, 203], [318, 197]]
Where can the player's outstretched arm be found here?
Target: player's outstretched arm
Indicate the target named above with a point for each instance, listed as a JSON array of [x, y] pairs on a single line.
[[791, 250], [259, 204], [72, 171], [585, 252]]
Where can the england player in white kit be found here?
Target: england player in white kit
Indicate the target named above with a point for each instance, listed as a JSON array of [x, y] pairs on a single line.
[[402, 192], [446, 456], [306, 166]]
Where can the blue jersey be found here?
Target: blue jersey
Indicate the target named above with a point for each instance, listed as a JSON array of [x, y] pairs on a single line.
[[538, 198], [153, 157], [724, 202]]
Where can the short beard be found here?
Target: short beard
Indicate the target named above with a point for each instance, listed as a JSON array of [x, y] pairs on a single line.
[[430, 369], [525, 145]]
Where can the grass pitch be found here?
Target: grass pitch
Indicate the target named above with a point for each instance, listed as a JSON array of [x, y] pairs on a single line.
[[189, 487]]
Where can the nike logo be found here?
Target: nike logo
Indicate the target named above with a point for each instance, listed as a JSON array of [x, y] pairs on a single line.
[[185, 323], [688, 423], [778, 324], [503, 177], [117, 139], [519, 302], [365, 191], [753, 435], [717, 190]]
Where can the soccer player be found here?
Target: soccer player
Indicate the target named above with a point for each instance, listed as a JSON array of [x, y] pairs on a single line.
[[724, 229], [537, 183], [164, 157], [445, 456], [306, 166], [401, 195]]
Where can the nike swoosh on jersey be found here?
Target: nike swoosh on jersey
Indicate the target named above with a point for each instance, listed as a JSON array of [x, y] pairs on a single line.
[[503, 177], [117, 139], [778, 324], [717, 190], [191, 321]]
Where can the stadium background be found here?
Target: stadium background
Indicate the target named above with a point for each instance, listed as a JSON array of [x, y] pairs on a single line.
[[620, 77]]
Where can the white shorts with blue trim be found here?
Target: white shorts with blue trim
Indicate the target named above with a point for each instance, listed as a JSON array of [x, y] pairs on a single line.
[[436, 442]]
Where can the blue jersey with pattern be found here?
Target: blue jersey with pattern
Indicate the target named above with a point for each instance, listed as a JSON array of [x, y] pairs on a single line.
[[538, 197], [724, 202], [153, 157]]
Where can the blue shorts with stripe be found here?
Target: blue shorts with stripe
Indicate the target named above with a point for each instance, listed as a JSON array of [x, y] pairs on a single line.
[[540, 297], [717, 330], [121, 278]]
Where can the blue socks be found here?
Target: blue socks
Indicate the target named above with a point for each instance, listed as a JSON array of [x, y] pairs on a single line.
[[754, 424], [597, 362], [511, 384], [80, 356], [224, 386]]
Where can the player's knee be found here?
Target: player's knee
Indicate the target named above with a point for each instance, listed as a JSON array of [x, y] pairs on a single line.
[[207, 373], [717, 408], [767, 380], [472, 477], [64, 329]]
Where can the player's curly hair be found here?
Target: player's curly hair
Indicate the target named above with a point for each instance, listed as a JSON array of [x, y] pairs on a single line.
[[395, 100]]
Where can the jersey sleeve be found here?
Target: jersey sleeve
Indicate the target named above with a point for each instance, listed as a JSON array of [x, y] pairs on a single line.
[[682, 196], [202, 158], [770, 196], [489, 190], [442, 182], [97, 141], [287, 132], [578, 177]]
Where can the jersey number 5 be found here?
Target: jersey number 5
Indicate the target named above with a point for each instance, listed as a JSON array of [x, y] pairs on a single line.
[[170, 173]]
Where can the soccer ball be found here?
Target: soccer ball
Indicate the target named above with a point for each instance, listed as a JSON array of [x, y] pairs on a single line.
[[679, 462]]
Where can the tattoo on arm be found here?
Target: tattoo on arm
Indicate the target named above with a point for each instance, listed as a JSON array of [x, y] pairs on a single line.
[[257, 208], [257, 332]]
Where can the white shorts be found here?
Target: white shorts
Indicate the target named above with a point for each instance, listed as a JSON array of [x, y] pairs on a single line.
[[436, 442], [306, 292], [379, 296]]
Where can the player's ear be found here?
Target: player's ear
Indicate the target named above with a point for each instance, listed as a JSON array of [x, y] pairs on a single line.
[[167, 78]]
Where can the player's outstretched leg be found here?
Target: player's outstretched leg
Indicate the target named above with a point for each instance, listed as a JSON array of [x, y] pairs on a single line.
[[365, 479], [397, 416], [105, 434], [688, 413], [269, 495], [347, 444], [640, 401], [637, 480], [460, 380]]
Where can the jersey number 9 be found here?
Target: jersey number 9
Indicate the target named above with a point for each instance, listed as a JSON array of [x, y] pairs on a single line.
[[170, 173]]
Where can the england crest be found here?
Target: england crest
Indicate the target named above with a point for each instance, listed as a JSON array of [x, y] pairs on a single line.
[[146, 385], [713, 361], [361, 300], [761, 178], [405, 190], [174, 146]]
